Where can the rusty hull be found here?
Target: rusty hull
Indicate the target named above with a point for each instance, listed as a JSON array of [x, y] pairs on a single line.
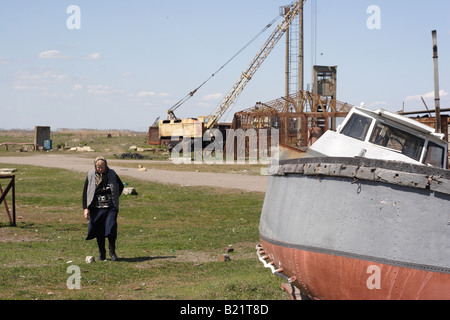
[[356, 228], [329, 277]]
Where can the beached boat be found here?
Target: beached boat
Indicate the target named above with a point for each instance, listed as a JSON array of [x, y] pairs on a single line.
[[364, 215]]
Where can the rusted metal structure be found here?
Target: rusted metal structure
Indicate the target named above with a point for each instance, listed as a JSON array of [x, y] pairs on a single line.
[[153, 136], [444, 124], [325, 84], [301, 117], [4, 193]]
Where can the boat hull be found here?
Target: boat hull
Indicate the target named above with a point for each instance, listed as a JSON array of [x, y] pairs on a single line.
[[346, 228]]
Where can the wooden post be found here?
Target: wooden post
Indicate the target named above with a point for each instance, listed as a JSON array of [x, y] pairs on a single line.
[[3, 194]]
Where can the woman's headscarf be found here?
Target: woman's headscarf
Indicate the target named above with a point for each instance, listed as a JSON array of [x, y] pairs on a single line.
[[99, 176]]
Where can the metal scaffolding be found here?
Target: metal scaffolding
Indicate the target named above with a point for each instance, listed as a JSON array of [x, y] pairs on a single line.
[[296, 116]]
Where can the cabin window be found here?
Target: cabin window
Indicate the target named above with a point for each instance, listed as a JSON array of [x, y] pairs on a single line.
[[357, 127], [399, 140], [435, 155]]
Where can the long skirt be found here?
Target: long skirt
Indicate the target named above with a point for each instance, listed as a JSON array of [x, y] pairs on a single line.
[[102, 223]]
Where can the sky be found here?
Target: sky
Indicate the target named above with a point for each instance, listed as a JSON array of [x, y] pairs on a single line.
[[122, 64]]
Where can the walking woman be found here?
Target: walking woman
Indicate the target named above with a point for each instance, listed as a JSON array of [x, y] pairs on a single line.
[[101, 205]]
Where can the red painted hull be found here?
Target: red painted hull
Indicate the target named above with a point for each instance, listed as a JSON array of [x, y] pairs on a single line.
[[331, 277]]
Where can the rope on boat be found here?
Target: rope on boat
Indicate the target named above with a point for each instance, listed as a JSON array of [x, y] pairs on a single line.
[[270, 265]]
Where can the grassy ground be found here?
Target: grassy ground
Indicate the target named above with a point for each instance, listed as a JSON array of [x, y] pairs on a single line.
[[170, 240], [112, 148], [109, 143]]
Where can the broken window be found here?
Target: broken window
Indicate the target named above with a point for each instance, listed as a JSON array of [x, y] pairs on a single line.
[[435, 155], [357, 127], [399, 140]]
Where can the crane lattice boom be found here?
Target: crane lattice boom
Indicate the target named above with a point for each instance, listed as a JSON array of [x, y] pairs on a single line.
[[256, 63]]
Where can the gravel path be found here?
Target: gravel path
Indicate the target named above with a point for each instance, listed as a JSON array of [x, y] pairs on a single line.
[[80, 164]]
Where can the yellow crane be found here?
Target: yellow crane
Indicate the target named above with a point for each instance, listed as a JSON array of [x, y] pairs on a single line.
[[195, 128]]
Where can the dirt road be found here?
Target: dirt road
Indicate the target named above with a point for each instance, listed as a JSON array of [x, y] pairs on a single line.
[[81, 164]]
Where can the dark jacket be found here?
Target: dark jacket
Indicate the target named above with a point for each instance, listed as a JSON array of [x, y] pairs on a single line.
[[109, 179]]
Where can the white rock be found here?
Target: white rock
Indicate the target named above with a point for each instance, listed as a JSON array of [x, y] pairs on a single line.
[[129, 190]]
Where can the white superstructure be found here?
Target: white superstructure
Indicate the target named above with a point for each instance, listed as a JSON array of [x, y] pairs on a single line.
[[382, 134]]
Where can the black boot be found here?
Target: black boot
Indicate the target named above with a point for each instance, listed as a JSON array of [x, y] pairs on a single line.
[[101, 248], [102, 256], [112, 249]]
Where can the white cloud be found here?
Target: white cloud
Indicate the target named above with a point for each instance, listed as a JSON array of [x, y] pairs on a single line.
[[409, 98], [442, 93], [377, 104], [429, 95], [209, 99], [3, 61], [77, 87], [94, 56], [203, 104], [144, 94], [103, 90], [48, 94], [212, 96], [37, 80], [18, 86], [43, 75], [52, 54]]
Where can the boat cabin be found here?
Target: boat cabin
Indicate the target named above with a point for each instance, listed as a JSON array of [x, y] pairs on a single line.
[[382, 134]]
